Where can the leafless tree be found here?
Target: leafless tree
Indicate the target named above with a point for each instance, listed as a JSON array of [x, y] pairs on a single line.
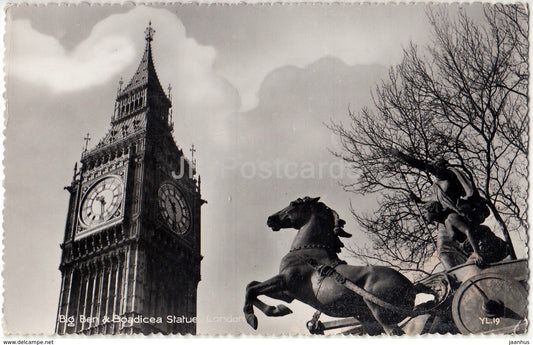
[[463, 98]]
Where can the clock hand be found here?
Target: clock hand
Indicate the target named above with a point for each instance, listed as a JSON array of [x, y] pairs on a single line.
[[174, 210], [102, 204]]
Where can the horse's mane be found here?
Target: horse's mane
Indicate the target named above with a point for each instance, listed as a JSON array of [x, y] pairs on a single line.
[[329, 216]]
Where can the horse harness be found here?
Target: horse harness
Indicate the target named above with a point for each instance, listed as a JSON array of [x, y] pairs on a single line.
[[325, 271]]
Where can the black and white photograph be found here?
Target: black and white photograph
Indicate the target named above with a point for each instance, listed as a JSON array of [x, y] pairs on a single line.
[[275, 169]]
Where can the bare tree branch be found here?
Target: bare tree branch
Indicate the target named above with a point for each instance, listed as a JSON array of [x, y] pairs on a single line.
[[463, 98]]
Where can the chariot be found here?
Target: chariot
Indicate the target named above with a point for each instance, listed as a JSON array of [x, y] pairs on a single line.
[[467, 299]]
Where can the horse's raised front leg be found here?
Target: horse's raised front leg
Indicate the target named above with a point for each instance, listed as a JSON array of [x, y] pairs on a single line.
[[274, 288], [269, 310]]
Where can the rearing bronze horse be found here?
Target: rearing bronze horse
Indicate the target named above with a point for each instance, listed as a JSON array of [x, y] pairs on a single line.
[[317, 243]]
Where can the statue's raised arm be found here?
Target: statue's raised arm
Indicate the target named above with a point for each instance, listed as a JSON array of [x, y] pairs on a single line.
[[414, 162], [455, 202]]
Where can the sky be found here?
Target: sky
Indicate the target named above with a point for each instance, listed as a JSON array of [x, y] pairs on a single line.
[[253, 88]]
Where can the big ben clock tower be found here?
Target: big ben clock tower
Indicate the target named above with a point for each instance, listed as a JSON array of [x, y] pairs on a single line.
[[131, 251]]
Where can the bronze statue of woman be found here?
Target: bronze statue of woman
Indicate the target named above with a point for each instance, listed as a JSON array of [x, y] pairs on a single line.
[[455, 202]]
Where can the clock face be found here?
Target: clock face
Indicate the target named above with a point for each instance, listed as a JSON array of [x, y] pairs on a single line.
[[101, 201], [174, 208]]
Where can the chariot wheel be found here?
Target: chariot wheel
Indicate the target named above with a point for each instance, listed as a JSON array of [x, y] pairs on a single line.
[[490, 303]]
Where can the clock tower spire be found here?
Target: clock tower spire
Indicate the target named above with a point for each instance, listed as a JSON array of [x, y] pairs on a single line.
[[131, 251]]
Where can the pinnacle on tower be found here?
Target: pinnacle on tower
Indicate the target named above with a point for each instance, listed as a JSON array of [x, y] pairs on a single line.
[[149, 32], [144, 87], [145, 73]]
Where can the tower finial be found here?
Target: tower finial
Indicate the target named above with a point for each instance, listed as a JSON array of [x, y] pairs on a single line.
[[193, 150], [149, 32], [193, 161], [87, 139]]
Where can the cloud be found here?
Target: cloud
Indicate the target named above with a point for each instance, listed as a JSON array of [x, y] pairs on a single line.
[[227, 79], [355, 34], [40, 59], [113, 49], [296, 104]]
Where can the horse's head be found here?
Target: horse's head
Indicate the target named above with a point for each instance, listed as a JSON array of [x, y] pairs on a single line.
[[294, 216], [298, 214]]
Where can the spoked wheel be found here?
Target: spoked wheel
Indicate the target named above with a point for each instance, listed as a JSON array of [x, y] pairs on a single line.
[[490, 303]]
